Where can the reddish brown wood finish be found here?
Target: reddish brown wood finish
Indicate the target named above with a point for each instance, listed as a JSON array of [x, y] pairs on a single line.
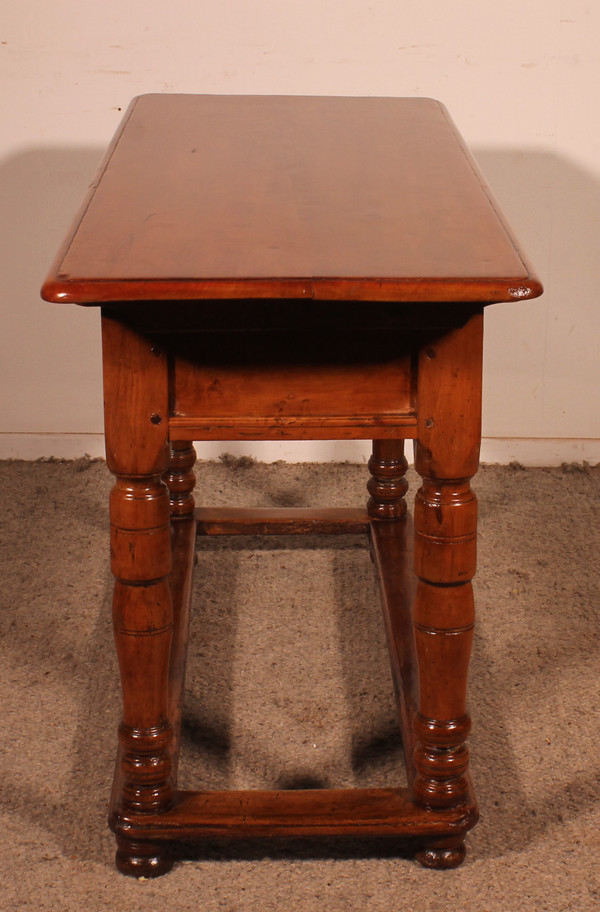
[[446, 456], [316, 384], [136, 398], [180, 480], [251, 256], [354, 199], [387, 485], [281, 520], [298, 814]]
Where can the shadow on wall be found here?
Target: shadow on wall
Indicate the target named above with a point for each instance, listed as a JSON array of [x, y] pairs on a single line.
[[42, 189], [51, 354], [553, 208]]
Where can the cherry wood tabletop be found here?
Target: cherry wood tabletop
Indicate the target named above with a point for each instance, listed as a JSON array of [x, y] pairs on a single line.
[[351, 199]]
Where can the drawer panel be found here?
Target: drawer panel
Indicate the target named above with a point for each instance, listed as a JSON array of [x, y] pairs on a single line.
[[272, 385]]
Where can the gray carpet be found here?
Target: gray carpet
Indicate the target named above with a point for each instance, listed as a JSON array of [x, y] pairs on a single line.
[[288, 685]]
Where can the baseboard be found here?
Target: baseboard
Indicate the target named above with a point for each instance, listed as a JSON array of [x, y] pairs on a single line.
[[540, 451], [50, 446], [528, 451]]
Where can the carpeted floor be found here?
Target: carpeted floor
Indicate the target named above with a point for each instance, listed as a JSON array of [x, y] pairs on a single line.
[[288, 685]]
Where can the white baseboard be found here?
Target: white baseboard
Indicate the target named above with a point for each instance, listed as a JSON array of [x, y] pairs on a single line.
[[48, 446], [528, 451], [540, 451]]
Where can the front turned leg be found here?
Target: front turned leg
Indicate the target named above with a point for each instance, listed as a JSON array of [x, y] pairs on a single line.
[[143, 621], [445, 529], [445, 517], [137, 452]]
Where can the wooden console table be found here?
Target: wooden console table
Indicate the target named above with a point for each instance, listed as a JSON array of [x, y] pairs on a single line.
[[305, 268]]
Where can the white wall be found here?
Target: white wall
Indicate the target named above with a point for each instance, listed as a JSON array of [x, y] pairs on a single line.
[[519, 78]]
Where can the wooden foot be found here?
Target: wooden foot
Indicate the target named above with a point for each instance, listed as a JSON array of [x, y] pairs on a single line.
[[142, 859], [444, 853]]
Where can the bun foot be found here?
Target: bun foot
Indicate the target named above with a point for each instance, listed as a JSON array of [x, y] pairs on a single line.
[[142, 859], [447, 853]]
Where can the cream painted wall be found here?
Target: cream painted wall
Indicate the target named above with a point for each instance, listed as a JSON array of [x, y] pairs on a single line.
[[520, 80]]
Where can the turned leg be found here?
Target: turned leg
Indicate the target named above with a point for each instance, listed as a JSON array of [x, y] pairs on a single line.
[[387, 485], [391, 553], [445, 520], [137, 453], [180, 480]]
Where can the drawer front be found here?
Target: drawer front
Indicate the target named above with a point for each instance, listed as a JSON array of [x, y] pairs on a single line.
[[276, 385]]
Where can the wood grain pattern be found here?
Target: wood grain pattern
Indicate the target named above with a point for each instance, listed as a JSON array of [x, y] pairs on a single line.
[[281, 521], [205, 197], [276, 814], [289, 380], [137, 452], [445, 517]]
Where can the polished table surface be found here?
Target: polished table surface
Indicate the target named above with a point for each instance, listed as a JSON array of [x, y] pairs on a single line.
[[292, 268], [372, 199]]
